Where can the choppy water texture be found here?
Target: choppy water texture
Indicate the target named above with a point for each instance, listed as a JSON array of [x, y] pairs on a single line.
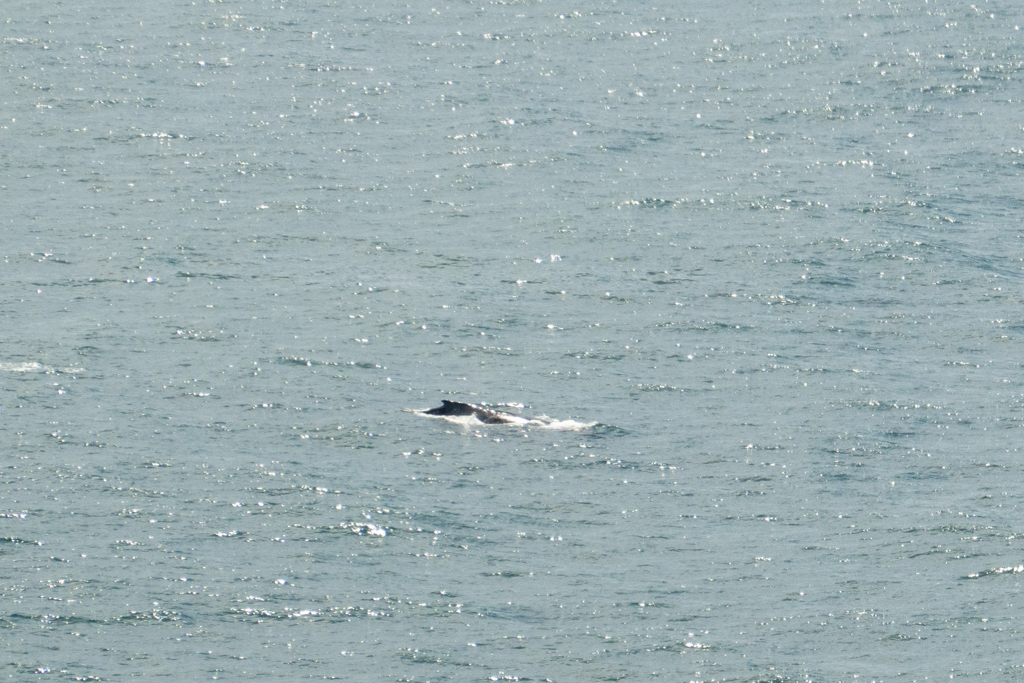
[[773, 250]]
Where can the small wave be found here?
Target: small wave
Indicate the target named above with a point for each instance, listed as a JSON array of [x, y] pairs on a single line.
[[366, 529], [24, 367], [565, 425], [602, 429], [33, 366], [1019, 569]]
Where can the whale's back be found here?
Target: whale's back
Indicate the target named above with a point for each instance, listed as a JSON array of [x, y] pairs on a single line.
[[451, 408]]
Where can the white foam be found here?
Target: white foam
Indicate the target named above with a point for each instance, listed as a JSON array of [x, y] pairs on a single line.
[[24, 367], [33, 366], [569, 425]]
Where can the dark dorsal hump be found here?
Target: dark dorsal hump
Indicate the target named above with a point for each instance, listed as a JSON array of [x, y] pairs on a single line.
[[452, 408]]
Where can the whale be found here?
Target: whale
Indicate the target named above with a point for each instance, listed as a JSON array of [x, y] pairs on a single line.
[[486, 415], [468, 414]]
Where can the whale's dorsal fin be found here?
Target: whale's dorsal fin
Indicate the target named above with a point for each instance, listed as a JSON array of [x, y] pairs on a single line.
[[452, 408]]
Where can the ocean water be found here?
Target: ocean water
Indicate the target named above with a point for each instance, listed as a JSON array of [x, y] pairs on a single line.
[[773, 251]]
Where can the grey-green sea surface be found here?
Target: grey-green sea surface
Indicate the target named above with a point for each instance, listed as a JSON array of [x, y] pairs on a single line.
[[773, 250]]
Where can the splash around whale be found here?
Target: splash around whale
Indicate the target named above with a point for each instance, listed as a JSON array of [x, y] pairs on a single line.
[[470, 414]]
